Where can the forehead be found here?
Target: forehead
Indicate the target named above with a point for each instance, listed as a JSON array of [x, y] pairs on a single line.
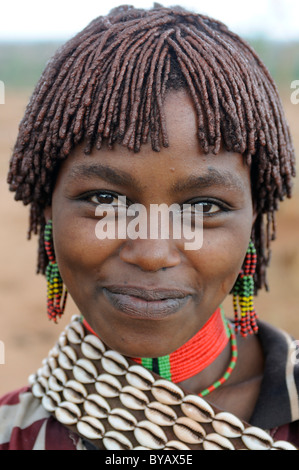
[[181, 164]]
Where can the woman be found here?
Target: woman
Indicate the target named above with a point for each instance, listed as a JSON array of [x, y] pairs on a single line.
[[155, 107]]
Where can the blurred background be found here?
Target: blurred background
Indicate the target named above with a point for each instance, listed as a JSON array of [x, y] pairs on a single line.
[[30, 32]]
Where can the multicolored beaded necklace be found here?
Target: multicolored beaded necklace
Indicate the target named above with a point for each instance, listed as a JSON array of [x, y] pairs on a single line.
[[230, 368], [197, 354]]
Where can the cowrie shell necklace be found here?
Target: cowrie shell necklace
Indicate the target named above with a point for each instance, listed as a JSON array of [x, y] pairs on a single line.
[[119, 405]]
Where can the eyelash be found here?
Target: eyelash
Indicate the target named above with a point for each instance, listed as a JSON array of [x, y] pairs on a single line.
[[223, 207], [212, 202]]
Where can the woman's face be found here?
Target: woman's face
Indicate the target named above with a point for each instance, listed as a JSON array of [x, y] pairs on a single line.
[[146, 297]]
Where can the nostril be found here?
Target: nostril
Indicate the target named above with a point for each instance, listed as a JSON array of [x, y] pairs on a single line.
[[150, 255]]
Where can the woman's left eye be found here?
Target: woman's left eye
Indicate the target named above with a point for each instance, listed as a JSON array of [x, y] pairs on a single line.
[[207, 207]]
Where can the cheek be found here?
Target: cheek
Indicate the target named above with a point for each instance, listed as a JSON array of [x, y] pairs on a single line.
[[79, 253], [219, 261]]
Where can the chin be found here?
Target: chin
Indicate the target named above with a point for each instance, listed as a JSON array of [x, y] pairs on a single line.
[[139, 338], [143, 347]]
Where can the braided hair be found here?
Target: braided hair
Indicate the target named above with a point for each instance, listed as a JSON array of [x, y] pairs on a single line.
[[109, 82]]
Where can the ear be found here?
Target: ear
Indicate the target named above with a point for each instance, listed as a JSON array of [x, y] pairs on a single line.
[[48, 213]]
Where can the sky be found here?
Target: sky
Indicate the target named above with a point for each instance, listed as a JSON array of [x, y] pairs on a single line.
[[60, 19]]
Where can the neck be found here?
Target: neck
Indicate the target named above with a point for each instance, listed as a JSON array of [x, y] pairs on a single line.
[[195, 355]]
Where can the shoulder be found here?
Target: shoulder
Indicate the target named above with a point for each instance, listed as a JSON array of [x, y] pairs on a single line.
[[278, 402], [26, 425]]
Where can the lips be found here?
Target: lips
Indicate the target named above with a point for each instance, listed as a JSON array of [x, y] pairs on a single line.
[[146, 303]]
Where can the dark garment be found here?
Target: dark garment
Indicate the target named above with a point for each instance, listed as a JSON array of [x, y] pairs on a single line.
[[278, 401]]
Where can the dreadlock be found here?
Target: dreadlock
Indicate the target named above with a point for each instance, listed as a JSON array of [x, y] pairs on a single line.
[[109, 82]]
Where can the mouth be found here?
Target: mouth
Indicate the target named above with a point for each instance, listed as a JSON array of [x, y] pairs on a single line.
[[144, 303]]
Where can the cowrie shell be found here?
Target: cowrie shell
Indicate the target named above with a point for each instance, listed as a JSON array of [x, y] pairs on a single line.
[[51, 400], [160, 414], [57, 380], [227, 425], [167, 392], [139, 377], [150, 435], [67, 357], [133, 398], [92, 347], [122, 420], [197, 408], [32, 379], [90, 427], [114, 363], [67, 413], [108, 386], [39, 372], [214, 441], [256, 439], [84, 371], [75, 317], [45, 371], [176, 445], [40, 387], [96, 406], [75, 333], [114, 440], [74, 391], [62, 340], [282, 445], [189, 431], [37, 390], [53, 364], [54, 352]]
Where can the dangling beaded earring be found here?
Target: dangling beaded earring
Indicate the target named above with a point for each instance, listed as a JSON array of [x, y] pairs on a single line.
[[243, 293], [56, 299]]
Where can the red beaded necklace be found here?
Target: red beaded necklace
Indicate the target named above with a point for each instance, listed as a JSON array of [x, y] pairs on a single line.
[[197, 354]]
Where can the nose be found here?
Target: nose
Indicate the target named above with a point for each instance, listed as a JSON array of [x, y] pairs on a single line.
[[150, 255]]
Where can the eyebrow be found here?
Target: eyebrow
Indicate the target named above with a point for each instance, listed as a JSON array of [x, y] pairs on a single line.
[[213, 177], [111, 175]]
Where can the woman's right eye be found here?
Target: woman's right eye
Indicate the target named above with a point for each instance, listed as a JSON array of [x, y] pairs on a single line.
[[105, 198]]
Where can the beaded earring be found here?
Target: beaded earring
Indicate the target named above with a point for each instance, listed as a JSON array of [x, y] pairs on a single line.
[[243, 293], [56, 298]]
